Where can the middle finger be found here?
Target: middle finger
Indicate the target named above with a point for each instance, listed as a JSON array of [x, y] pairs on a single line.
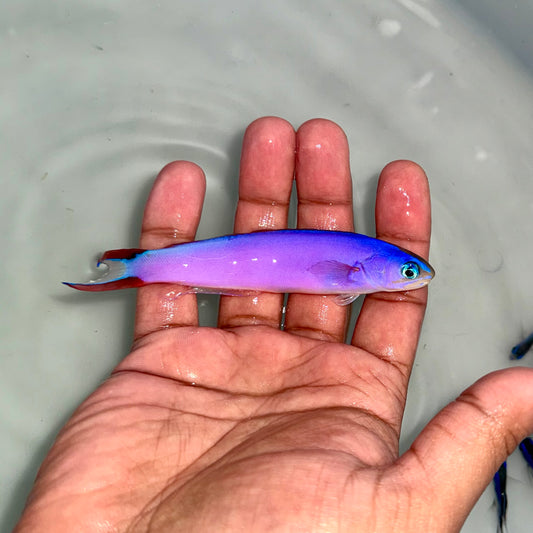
[[324, 188], [265, 183]]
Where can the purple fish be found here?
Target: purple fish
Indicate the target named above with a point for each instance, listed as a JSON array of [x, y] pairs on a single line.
[[303, 261]]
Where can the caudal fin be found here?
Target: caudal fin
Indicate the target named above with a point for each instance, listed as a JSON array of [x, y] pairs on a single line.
[[116, 276]]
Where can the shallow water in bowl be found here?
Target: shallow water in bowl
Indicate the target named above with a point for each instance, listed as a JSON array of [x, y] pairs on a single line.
[[95, 99]]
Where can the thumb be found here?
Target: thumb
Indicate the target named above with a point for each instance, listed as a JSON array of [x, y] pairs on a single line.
[[455, 457]]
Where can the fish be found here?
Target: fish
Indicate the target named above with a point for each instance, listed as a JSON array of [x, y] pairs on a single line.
[[526, 449], [280, 261], [518, 351], [500, 488]]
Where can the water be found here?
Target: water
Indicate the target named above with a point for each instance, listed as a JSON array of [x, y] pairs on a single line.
[[96, 98]]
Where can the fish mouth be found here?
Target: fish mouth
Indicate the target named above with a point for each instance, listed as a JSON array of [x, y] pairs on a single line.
[[416, 284], [422, 280]]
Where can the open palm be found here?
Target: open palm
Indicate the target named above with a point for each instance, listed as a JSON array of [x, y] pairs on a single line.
[[248, 427]]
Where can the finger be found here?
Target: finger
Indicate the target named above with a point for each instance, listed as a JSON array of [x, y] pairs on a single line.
[[389, 323], [455, 457], [265, 183], [171, 216], [324, 202]]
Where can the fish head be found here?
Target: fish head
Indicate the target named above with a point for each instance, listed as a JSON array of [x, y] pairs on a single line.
[[397, 271]]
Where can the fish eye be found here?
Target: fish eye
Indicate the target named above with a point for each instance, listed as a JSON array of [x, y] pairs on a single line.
[[410, 270]]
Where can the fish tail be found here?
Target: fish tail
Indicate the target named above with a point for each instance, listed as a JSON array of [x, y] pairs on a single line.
[[117, 274]]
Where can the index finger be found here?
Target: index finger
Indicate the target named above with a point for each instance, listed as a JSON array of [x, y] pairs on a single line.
[[389, 323], [171, 216]]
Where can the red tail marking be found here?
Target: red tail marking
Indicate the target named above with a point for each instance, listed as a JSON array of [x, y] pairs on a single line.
[[126, 283], [123, 253]]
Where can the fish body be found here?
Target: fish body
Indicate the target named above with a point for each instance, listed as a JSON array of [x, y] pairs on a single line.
[[518, 351], [500, 488], [282, 261]]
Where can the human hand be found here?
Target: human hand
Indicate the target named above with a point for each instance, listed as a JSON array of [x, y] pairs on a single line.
[[246, 427]]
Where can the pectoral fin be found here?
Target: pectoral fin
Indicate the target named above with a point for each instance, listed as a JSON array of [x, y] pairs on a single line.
[[333, 273], [346, 299]]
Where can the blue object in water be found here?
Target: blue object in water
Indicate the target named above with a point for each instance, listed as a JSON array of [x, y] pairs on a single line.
[[526, 449], [500, 482], [518, 351]]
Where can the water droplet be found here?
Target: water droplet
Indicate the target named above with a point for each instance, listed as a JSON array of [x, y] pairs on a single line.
[[423, 81], [404, 193], [389, 27]]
